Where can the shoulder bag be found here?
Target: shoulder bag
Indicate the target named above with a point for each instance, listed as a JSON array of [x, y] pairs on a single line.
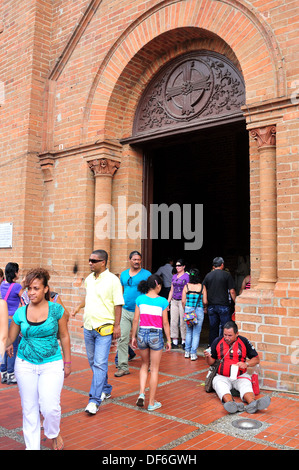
[[8, 292], [212, 372]]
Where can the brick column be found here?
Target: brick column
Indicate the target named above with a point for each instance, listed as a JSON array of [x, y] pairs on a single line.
[[266, 140], [103, 170]]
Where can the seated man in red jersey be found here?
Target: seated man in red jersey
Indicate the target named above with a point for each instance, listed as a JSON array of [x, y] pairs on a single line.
[[234, 350]]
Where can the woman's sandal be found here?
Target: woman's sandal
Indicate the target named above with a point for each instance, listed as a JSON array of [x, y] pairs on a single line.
[[57, 443]]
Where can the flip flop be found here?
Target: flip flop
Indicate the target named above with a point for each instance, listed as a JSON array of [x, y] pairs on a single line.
[[56, 445]]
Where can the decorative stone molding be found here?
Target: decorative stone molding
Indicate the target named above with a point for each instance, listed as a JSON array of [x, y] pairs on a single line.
[[47, 164], [265, 136], [188, 91], [103, 167]]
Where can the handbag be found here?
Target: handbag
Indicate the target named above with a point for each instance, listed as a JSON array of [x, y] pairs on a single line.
[[212, 372], [255, 382], [190, 318], [210, 376]]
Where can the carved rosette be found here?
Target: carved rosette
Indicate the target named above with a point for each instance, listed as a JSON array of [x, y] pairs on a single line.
[[193, 87], [103, 167], [265, 136]]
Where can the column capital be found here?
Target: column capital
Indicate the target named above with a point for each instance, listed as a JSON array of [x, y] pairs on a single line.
[[103, 166], [265, 136]]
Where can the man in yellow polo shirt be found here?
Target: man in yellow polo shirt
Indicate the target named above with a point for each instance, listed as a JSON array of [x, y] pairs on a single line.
[[103, 303]]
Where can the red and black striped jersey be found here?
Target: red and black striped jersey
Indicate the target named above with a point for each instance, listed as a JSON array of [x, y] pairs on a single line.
[[237, 352]]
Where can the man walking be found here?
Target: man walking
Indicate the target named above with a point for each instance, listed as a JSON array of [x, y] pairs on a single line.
[[130, 278], [102, 303], [219, 285]]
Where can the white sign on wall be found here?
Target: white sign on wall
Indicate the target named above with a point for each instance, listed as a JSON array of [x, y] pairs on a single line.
[[6, 235]]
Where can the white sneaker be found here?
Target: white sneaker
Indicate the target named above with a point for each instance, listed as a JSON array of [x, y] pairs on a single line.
[[105, 396], [187, 354], [91, 408], [193, 357], [11, 379]]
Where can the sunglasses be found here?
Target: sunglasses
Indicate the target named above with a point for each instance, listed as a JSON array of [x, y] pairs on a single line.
[[178, 265], [95, 260]]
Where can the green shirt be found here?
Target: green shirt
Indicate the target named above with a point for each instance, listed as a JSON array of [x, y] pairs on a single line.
[[39, 343]]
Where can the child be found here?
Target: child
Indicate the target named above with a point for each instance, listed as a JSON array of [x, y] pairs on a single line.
[[152, 317]]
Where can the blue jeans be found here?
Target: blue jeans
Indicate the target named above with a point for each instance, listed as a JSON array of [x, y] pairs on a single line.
[[8, 364], [193, 332], [218, 316], [151, 338], [97, 350]]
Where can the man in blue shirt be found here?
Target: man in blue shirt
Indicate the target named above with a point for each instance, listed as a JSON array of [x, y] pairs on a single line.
[[130, 279]]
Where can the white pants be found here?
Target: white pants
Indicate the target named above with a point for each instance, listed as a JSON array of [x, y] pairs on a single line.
[[40, 388], [177, 323], [223, 385]]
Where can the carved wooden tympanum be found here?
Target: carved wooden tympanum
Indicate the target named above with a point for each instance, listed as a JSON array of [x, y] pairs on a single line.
[[194, 87]]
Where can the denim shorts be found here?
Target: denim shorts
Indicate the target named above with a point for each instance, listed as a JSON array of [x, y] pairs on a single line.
[[151, 338]]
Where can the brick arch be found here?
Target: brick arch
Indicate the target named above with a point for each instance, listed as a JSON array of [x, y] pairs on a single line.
[[158, 34]]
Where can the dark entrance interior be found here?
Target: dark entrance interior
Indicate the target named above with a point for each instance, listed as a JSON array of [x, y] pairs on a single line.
[[209, 167]]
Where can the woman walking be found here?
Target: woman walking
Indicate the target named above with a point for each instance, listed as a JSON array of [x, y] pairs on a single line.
[[151, 316], [177, 324], [3, 327], [39, 366], [192, 301], [11, 292]]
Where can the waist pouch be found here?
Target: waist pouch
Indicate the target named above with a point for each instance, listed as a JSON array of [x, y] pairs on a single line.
[[105, 330]]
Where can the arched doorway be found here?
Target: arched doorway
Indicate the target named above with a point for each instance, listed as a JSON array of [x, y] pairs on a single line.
[[191, 129]]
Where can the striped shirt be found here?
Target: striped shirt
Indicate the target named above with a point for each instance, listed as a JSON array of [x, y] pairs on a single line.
[[237, 352], [151, 310]]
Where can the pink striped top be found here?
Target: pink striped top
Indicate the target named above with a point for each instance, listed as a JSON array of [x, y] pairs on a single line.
[[151, 310]]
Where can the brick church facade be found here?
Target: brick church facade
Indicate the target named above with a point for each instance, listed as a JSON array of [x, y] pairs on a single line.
[[109, 106]]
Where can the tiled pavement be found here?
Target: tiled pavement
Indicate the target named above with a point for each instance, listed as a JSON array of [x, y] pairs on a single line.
[[189, 419]]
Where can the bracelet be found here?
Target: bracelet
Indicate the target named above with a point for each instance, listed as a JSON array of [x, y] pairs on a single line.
[[67, 362]]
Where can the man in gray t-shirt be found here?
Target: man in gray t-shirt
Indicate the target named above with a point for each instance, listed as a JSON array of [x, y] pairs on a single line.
[[166, 274]]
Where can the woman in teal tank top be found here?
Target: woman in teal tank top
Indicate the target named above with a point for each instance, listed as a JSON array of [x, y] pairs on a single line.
[[192, 301], [39, 368]]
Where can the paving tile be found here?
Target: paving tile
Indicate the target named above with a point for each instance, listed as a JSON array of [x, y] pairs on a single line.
[[189, 418]]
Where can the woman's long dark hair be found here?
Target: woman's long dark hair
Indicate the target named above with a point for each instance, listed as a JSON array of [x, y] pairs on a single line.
[[194, 277], [11, 269], [151, 283]]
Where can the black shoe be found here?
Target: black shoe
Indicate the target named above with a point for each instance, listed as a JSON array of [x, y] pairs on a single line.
[[132, 357], [174, 346]]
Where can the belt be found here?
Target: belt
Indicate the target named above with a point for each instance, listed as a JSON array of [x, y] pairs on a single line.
[[151, 330]]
